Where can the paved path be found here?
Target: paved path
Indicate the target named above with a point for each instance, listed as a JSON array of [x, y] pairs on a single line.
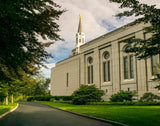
[[36, 114]]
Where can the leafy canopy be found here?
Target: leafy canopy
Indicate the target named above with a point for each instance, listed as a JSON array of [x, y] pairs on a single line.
[[21, 23], [150, 14]]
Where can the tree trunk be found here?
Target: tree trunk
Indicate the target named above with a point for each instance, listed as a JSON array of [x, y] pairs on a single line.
[[7, 99], [12, 98]]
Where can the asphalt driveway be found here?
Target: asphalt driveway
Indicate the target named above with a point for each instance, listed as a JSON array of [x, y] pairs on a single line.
[[36, 114]]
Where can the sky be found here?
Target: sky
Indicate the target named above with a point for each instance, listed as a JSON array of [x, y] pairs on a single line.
[[98, 18]]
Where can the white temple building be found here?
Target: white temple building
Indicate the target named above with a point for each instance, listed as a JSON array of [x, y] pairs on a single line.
[[103, 62]]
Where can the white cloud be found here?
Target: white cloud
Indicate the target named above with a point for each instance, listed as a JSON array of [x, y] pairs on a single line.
[[151, 2], [98, 18]]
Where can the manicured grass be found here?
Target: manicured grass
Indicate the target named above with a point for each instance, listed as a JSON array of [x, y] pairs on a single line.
[[131, 115], [5, 108]]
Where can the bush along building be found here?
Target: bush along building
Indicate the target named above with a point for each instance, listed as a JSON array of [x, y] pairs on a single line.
[[102, 62]]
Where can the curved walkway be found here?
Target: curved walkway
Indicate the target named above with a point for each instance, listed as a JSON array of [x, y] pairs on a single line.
[[36, 114]]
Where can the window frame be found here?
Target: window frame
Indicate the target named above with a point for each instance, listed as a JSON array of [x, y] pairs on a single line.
[[153, 65], [129, 57], [67, 79], [106, 67], [90, 71]]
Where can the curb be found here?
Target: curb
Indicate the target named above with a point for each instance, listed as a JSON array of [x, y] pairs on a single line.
[[4, 114], [90, 117]]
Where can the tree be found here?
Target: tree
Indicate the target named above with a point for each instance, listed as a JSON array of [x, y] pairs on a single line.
[[143, 48], [2, 93], [34, 85], [21, 22], [41, 86], [87, 94]]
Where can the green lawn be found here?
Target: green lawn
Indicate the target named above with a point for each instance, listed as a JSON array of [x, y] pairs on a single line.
[[5, 108], [131, 115]]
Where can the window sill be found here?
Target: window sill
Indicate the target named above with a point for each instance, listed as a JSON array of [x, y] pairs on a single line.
[[106, 83], [128, 81], [90, 84]]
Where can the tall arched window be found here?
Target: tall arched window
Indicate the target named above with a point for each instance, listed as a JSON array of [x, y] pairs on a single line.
[[90, 70], [153, 65], [128, 64], [106, 67]]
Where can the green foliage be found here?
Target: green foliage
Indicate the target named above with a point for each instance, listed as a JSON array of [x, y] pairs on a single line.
[[122, 96], [39, 98], [49, 98], [2, 96], [86, 94], [149, 97], [34, 85], [150, 14], [5, 108], [28, 86], [21, 23], [157, 76], [52, 100], [147, 103], [126, 103]]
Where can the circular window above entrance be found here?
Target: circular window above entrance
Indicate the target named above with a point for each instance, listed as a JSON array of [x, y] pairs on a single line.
[[90, 60], [106, 55]]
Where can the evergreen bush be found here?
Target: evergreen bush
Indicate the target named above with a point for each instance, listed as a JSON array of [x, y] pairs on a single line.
[[122, 96], [86, 94], [149, 97]]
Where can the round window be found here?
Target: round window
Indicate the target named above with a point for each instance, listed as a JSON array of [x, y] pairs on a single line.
[[127, 47], [106, 55], [90, 60]]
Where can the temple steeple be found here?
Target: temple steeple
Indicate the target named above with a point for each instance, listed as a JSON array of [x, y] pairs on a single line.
[[80, 24], [80, 37]]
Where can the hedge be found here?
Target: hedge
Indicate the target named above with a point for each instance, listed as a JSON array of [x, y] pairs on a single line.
[[125, 103], [48, 97]]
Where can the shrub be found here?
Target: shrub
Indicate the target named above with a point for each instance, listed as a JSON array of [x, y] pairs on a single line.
[[126, 103], [64, 98], [48, 98], [52, 100], [147, 103], [122, 96], [39, 98], [86, 94], [149, 97]]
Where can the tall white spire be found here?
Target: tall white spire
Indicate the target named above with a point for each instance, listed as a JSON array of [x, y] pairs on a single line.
[[80, 24], [80, 36]]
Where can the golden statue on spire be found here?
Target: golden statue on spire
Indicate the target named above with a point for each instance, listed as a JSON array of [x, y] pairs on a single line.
[[79, 15], [80, 24]]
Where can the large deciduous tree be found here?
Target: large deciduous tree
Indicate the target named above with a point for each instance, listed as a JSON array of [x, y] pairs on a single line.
[[145, 48], [150, 14], [21, 22]]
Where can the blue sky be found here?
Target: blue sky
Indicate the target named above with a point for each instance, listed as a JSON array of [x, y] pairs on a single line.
[[98, 18]]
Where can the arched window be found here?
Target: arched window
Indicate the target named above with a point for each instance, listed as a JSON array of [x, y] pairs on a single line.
[[90, 70], [153, 65], [128, 64], [106, 67]]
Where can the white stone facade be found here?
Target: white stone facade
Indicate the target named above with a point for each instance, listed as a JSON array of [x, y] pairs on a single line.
[[122, 71]]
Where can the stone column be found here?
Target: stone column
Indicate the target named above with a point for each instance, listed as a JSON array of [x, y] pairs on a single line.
[[115, 71]]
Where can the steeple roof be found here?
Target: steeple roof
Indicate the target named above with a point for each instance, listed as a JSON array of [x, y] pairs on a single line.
[[80, 24]]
